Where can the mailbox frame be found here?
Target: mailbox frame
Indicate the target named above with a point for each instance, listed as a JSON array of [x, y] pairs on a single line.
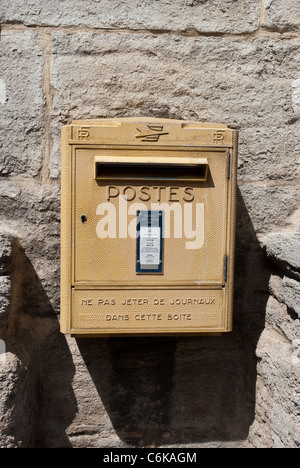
[[128, 134]]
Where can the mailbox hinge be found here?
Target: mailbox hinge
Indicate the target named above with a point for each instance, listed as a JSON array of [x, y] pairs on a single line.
[[225, 267], [228, 165]]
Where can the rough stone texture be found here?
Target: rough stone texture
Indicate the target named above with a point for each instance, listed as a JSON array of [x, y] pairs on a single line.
[[5, 253], [17, 405], [214, 79], [21, 104], [296, 96], [5, 283], [278, 348], [282, 15], [233, 62], [24, 327], [39, 209], [277, 416], [291, 294], [201, 15], [284, 248], [4, 294]]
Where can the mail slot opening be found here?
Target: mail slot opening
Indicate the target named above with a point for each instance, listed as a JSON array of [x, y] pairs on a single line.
[[167, 169]]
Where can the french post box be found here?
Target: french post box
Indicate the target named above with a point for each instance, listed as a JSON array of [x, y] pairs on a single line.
[[147, 227]]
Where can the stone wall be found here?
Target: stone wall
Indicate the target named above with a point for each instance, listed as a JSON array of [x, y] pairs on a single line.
[[232, 62]]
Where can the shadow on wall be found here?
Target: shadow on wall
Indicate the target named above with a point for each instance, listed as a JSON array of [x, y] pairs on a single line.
[[58, 405], [188, 390], [37, 403], [159, 390]]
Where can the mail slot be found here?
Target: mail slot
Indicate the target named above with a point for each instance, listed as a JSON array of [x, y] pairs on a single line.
[[126, 168], [147, 227]]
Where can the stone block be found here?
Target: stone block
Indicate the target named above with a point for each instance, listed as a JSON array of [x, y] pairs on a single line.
[[32, 211], [21, 104], [291, 294], [5, 253], [277, 419], [296, 96], [5, 289], [36, 204], [277, 314], [282, 15], [284, 247], [269, 153], [5, 283], [18, 402], [205, 78], [4, 286], [268, 207], [164, 15]]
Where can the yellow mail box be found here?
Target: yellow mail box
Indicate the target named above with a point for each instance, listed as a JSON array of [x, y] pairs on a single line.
[[147, 227]]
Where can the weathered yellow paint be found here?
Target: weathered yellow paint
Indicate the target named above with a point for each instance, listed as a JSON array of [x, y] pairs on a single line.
[[187, 170]]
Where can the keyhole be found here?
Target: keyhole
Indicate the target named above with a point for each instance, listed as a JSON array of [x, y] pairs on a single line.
[[83, 218]]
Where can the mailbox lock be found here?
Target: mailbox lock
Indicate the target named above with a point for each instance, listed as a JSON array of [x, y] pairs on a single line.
[[83, 218]]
